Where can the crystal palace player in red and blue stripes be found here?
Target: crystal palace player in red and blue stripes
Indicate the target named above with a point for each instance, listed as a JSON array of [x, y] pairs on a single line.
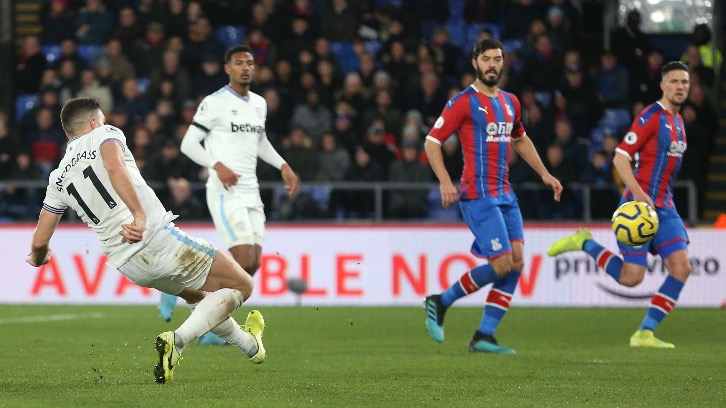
[[656, 141], [488, 121]]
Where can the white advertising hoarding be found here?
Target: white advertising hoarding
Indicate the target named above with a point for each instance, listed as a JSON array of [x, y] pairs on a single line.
[[363, 265]]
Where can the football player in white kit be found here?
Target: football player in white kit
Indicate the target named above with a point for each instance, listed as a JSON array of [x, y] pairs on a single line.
[[98, 178], [231, 123]]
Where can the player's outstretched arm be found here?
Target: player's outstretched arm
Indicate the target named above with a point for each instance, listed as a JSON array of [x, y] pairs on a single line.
[[113, 161], [40, 246], [621, 162], [526, 149]]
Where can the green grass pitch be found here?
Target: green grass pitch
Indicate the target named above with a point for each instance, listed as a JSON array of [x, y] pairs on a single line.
[[102, 356]]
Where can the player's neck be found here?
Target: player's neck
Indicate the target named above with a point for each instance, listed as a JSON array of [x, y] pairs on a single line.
[[86, 130], [673, 109], [487, 90], [242, 90]]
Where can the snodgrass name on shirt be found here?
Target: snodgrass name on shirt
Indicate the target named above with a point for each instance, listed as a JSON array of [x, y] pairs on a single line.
[[87, 155]]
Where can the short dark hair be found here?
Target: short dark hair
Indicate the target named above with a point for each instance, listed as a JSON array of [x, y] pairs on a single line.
[[673, 66], [75, 112], [236, 49], [484, 45]]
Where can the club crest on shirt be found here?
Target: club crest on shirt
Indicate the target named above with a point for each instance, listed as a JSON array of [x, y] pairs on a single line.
[[496, 245], [509, 110], [631, 138], [202, 108]]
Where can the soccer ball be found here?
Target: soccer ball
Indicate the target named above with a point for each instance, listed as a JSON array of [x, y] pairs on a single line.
[[635, 223]]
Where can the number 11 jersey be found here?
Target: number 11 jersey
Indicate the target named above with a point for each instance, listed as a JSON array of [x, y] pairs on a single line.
[[82, 183]]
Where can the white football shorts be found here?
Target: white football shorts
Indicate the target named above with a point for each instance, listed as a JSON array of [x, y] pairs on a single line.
[[238, 217], [172, 261]]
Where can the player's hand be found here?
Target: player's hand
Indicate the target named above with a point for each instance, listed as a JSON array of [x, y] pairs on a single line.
[[551, 182], [226, 175], [641, 196], [449, 194], [31, 259], [133, 232], [292, 184]]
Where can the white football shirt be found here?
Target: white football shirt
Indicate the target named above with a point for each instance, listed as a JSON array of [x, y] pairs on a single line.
[[82, 183], [235, 126]]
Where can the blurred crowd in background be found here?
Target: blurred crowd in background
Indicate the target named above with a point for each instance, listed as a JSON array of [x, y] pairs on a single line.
[[352, 88]]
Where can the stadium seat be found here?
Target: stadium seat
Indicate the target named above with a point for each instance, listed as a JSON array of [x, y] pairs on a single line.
[[373, 47], [439, 213], [456, 7], [597, 136], [513, 45], [52, 53], [24, 103], [616, 119], [230, 35], [321, 194], [142, 84], [88, 52], [346, 55], [457, 32], [544, 98]]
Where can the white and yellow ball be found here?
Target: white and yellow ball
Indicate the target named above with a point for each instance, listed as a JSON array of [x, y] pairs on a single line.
[[635, 223]]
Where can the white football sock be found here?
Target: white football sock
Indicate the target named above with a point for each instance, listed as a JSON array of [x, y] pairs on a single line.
[[230, 331], [215, 308]]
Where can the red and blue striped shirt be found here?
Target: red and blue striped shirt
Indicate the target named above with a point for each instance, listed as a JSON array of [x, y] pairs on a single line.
[[486, 126], [657, 141]]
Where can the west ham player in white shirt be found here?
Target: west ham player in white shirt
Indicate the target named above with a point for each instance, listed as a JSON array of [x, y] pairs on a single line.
[[98, 178], [231, 123]]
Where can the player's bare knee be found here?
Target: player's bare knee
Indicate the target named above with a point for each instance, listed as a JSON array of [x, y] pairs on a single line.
[[248, 264], [681, 271], [502, 265], [245, 287], [631, 280], [518, 264], [679, 265]]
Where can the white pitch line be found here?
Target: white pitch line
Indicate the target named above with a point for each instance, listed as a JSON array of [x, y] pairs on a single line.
[[52, 318]]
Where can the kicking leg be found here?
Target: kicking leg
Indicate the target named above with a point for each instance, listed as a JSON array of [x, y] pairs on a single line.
[[230, 286]]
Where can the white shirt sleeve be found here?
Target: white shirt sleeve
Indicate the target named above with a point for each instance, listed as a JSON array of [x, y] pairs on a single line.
[[53, 201], [268, 154], [191, 146]]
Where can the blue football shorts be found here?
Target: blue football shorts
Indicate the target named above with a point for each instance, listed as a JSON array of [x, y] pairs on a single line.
[[495, 222], [671, 237]]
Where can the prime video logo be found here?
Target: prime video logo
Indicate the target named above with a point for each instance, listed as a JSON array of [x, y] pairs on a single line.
[[565, 266]]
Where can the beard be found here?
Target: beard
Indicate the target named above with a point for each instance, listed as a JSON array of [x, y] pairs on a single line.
[[677, 101], [488, 82]]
